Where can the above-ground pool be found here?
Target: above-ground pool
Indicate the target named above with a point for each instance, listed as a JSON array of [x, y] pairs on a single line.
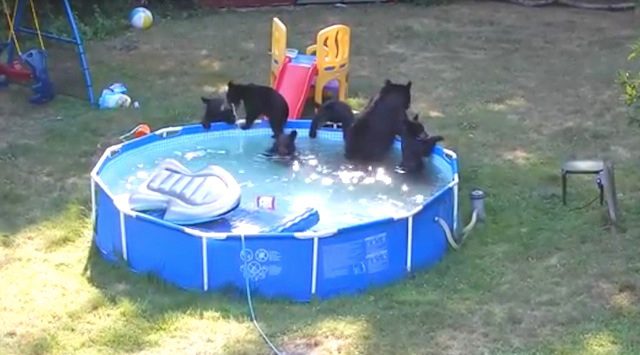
[[367, 226]]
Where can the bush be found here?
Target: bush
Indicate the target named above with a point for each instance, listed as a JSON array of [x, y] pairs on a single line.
[[630, 85], [98, 19]]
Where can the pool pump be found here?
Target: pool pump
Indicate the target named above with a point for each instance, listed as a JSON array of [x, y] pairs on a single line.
[[477, 204], [478, 214]]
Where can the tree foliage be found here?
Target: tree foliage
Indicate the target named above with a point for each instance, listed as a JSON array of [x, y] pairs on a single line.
[[630, 82]]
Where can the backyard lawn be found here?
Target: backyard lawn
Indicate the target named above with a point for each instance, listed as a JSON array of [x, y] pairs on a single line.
[[513, 90]]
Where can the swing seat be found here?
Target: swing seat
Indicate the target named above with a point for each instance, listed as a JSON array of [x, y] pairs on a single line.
[[15, 71]]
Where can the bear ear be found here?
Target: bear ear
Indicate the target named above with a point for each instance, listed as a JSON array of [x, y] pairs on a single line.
[[415, 118], [293, 135], [408, 85], [205, 100], [230, 83], [387, 82]]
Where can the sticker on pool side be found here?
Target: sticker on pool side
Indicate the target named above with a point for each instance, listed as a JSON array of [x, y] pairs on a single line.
[[266, 202]]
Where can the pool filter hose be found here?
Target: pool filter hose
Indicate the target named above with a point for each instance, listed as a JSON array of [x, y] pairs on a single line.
[[477, 215]]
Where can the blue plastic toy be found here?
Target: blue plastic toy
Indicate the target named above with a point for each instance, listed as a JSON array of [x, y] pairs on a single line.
[[36, 60], [114, 96]]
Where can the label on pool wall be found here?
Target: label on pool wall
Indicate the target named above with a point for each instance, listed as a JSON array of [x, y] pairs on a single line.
[[260, 264], [367, 256], [377, 253]]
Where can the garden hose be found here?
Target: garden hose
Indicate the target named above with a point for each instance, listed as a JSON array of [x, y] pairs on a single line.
[[250, 303]]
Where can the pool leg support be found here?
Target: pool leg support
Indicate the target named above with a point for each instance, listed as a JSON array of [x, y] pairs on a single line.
[[477, 215]]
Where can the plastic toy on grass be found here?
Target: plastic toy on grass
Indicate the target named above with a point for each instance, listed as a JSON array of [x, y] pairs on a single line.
[[141, 18], [114, 96], [324, 66], [138, 131]]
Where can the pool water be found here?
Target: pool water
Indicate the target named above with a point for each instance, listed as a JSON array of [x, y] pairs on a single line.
[[318, 176]]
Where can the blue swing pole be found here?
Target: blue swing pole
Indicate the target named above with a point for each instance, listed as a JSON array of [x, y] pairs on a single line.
[[76, 40], [81, 53]]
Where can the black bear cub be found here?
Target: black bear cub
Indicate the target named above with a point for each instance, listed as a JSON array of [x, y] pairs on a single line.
[[332, 111], [415, 144], [260, 100], [216, 111], [284, 145]]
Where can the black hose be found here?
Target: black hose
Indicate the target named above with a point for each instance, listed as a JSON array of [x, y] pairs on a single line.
[[586, 205]]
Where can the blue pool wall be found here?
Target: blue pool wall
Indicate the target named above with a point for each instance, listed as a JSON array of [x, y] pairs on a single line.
[[296, 266]]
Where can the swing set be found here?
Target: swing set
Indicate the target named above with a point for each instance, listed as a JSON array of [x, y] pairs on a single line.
[[31, 66]]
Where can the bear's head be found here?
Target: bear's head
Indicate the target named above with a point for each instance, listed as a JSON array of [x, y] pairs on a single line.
[[400, 93], [284, 144], [216, 111], [414, 129], [234, 93]]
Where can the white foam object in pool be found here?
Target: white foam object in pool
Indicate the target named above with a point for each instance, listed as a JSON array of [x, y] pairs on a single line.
[[187, 197]]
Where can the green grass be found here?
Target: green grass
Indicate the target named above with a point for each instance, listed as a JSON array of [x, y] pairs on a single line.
[[513, 90]]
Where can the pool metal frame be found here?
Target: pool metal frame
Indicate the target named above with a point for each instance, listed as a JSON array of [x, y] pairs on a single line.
[[342, 261]]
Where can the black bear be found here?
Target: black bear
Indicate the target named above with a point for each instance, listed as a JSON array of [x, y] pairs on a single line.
[[416, 144], [414, 129], [372, 135], [284, 145], [332, 111], [260, 100], [216, 111]]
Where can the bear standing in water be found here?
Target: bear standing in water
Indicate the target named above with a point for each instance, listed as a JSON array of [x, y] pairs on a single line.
[[371, 136], [284, 145]]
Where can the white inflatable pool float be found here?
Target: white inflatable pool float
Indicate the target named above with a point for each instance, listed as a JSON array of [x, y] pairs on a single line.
[[187, 197]]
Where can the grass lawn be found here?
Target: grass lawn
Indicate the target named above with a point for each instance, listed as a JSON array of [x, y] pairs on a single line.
[[513, 90]]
